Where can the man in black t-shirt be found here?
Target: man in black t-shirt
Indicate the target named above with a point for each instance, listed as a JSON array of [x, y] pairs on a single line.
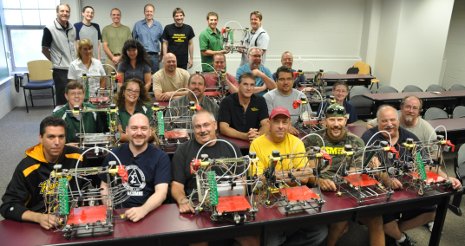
[[184, 182], [243, 115], [177, 39]]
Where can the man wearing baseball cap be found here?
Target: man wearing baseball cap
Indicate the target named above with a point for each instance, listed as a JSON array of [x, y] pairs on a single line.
[[335, 137], [278, 138]]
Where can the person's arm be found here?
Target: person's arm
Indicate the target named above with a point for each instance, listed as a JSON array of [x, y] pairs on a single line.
[[99, 52], [47, 43], [147, 81], [232, 84], [46, 52], [264, 126], [164, 46], [228, 131], [46, 221], [155, 200], [108, 52], [191, 54], [179, 195]]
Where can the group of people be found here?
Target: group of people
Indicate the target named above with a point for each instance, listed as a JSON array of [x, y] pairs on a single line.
[[260, 108]]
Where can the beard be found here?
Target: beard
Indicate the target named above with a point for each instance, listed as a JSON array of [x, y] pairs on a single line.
[[409, 120], [338, 138]]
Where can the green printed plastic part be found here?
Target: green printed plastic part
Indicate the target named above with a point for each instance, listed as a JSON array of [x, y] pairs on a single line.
[[421, 166], [211, 177], [63, 198], [161, 123]]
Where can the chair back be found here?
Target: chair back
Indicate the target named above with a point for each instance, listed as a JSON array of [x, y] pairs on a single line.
[[363, 68], [435, 87], [358, 90], [460, 171], [387, 89], [459, 112], [412, 88], [457, 87], [39, 70], [434, 113]]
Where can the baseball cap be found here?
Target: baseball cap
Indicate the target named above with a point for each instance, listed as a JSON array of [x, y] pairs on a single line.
[[335, 110], [279, 111]]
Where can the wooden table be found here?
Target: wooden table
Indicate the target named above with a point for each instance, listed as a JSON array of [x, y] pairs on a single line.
[[349, 79]]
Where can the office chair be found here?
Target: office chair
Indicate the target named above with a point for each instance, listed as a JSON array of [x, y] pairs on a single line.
[[434, 113], [387, 89], [459, 112], [435, 87], [363, 105], [412, 88], [457, 87], [459, 168], [363, 68], [39, 77]]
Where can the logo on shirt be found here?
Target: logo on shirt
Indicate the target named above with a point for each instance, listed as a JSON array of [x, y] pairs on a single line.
[[254, 109], [136, 181], [334, 150]]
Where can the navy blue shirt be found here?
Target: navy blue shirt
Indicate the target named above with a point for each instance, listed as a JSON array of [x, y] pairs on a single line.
[[232, 112], [145, 171]]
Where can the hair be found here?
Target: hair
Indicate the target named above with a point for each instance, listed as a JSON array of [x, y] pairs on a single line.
[[143, 96], [142, 57], [87, 7], [178, 10], [254, 48], [412, 96], [63, 4], [51, 121], [115, 9], [338, 83], [219, 54], [212, 14], [246, 75], [81, 43], [384, 107], [73, 85], [149, 4], [283, 69], [286, 52], [203, 111], [257, 13], [194, 75]]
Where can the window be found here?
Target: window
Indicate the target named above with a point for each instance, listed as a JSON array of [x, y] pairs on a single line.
[[25, 21]]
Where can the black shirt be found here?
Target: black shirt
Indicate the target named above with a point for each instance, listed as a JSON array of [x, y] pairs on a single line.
[[233, 113]]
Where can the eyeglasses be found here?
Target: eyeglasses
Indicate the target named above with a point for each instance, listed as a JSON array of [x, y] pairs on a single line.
[[132, 91], [76, 94], [204, 125], [335, 110]]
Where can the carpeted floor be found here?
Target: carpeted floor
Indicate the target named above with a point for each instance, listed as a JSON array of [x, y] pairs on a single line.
[[21, 130]]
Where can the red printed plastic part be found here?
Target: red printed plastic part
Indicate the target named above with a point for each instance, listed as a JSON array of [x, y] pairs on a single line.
[[96, 100], [431, 177], [298, 193], [212, 93], [123, 173], [195, 165], [361, 180], [176, 134], [296, 103], [232, 204], [87, 215]]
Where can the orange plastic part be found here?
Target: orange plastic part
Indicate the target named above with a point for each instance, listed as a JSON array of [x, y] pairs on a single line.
[[361, 180], [299, 193], [431, 177], [87, 214], [232, 204], [176, 134]]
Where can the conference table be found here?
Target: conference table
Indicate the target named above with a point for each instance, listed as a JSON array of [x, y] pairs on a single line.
[[166, 226], [455, 129], [430, 98], [349, 79]]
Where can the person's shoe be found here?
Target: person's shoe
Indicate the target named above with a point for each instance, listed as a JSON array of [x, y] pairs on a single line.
[[407, 242], [390, 241]]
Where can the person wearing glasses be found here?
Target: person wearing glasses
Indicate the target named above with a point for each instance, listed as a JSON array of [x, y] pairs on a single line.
[[287, 60], [335, 137], [263, 76], [132, 98], [148, 167], [134, 64], [286, 96], [243, 115], [256, 37], [91, 122]]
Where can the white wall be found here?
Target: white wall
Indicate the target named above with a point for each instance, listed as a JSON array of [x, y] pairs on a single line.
[[455, 49], [323, 34]]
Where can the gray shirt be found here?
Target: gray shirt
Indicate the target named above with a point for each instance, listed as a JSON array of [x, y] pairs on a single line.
[[274, 98]]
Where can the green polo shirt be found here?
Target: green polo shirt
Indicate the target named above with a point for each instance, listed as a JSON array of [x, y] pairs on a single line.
[[123, 115], [209, 40], [91, 122]]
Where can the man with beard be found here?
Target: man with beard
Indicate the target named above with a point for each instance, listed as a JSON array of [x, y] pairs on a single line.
[[335, 137], [196, 84], [396, 224], [278, 138], [410, 119], [148, 167], [169, 79]]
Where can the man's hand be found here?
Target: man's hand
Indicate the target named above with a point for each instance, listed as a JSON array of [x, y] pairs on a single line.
[[47, 221], [395, 184], [327, 184], [116, 59], [185, 206], [165, 96], [252, 134], [257, 73], [455, 183], [293, 131], [190, 63], [135, 214]]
